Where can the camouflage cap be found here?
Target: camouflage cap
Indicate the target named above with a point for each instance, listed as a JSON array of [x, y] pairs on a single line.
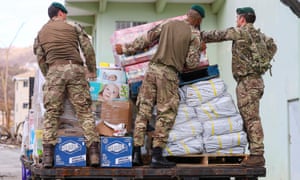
[[60, 6], [199, 9], [245, 10]]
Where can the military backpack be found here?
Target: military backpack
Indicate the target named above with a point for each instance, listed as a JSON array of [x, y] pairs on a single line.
[[263, 50]]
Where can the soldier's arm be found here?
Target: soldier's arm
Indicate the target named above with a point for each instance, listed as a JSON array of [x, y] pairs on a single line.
[[193, 56], [39, 52], [142, 43], [221, 35], [87, 49], [139, 45]]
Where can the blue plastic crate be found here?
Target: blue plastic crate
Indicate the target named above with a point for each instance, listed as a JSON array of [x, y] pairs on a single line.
[[199, 75]]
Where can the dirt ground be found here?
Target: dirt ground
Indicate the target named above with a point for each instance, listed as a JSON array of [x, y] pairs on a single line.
[[10, 164]]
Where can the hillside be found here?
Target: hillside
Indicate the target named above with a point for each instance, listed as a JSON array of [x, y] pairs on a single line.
[[18, 57], [19, 60]]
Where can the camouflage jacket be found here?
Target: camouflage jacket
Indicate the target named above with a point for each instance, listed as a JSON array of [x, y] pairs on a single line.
[[60, 40], [242, 56], [177, 51]]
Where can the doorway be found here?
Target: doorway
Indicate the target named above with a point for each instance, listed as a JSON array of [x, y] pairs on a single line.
[[294, 140]]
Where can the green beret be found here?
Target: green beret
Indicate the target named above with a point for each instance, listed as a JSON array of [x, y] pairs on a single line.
[[59, 6], [245, 10], [199, 9]]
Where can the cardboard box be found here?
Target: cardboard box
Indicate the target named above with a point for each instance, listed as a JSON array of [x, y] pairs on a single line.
[[70, 151], [108, 91], [116, 151], [115, 112]]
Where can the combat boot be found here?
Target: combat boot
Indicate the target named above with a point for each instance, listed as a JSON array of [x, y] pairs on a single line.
[[254, 161], [158, 161], [93, 154], [137, 156], [48, 151]]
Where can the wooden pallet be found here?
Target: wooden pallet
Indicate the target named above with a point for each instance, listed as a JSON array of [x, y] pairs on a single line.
[[209, 159]]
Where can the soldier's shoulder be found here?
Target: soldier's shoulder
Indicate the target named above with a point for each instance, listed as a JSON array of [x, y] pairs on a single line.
[[76, 25]]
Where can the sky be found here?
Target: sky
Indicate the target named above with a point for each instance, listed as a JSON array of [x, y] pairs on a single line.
[[20, 21]]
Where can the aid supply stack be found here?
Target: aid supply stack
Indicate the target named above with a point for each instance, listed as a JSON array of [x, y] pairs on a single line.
[[111, 103], [207, 121], [113, 113], [70, 149]]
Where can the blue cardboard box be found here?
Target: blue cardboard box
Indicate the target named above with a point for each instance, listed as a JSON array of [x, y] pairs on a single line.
[[70, 151], [116, 151]]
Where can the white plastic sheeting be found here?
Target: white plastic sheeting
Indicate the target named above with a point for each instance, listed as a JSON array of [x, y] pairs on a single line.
[[224, 125], [226, 141], [185, 113], [207, 121], [191, 145], [219, 107], [200, 92], [190, 128]]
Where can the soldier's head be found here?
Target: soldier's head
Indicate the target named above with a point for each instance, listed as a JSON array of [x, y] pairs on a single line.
[[57, 9], [195, 15], [245, 15]]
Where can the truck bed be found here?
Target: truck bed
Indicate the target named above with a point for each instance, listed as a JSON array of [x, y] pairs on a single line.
[[192, 167], [146, 172]]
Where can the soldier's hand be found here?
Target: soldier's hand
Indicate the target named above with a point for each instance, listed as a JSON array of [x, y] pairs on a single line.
[[118, 48], [203, 46]]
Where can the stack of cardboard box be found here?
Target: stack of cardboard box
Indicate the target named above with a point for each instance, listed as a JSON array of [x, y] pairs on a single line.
[[113, 113]]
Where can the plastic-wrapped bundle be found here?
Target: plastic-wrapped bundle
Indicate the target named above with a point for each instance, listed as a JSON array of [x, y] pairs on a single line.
[[191, 145], [203, 91], [184, 113], [219, 107], [190, 128], [215, 143], [224, 125], [232, 150], [181, 95], [127, 35]]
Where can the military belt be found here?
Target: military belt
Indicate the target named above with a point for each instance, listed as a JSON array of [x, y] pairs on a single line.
[[65, 62], [164, 66]]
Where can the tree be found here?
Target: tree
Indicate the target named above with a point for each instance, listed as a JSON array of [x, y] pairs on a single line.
[[4, 83]]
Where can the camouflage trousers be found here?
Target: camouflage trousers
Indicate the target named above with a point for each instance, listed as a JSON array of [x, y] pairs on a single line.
[[249, 92], [160, 88], [67, 81]]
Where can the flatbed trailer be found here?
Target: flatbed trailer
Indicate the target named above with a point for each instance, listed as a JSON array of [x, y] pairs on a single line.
[[185, 172], [203, 167]]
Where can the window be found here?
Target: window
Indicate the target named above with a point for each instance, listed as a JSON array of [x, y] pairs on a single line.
[[25, 83], [127, 24], [25, 105]]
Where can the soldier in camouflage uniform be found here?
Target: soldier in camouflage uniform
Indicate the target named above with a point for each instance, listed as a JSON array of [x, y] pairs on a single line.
[[178, 48], [250, 85], [57, 50]]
